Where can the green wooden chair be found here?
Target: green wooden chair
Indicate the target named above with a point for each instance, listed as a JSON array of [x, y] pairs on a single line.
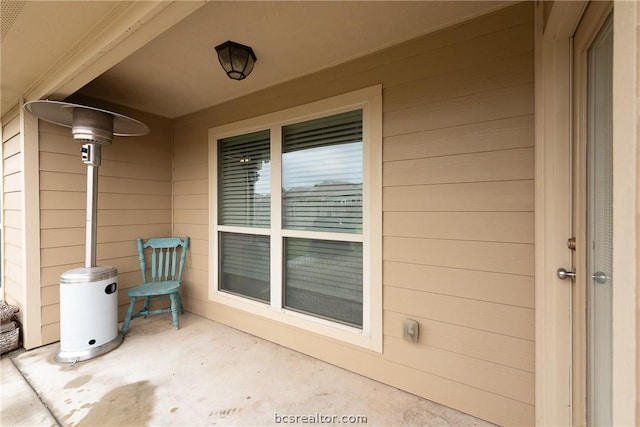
[[165, 280]]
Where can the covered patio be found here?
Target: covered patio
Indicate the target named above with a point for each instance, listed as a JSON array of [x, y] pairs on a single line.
[[454, 259], [205, 373]]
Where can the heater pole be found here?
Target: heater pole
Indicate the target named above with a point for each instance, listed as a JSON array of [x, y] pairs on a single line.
[[91, 157]]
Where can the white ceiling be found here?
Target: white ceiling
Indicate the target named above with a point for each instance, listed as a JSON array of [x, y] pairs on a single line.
[[177, 72]]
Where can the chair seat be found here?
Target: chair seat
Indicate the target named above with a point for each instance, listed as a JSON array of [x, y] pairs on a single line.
[[154, 288]]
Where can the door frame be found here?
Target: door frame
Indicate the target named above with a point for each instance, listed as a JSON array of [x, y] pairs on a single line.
[[555, 23]]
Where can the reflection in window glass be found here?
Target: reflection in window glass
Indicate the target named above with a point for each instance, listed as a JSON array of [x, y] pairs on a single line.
[[244, 180], [322, 174]]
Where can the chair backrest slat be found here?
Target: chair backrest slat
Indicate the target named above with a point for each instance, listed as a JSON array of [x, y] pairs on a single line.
[[173, 264], [167, 264], [159, 276], [143, 265], [154, 269], [164, 258]]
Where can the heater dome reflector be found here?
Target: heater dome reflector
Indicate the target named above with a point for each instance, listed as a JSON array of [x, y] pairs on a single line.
[[88, 124]]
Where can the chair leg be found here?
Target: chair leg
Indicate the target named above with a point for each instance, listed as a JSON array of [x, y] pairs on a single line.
[[127, 317], [145, 309], [180, 307], [174, 310]]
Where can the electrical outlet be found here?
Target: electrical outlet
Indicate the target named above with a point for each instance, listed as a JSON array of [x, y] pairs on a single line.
[[410, 330]]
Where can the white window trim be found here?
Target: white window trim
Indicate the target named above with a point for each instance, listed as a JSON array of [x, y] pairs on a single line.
[[370, 101]]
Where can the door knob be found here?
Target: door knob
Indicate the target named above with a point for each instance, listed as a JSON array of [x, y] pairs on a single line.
[[563, 274], [599, 277]]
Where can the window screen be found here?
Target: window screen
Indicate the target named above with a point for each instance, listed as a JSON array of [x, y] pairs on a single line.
[[324, 278], [245, 265]]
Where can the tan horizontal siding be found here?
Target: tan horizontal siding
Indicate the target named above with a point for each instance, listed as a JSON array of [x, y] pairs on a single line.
[[478, 78], [514, 227], [190, 172], [191, 201], [14, 218], [458, 224], [482, 315], [77, 200], [50, 295], [458, 201], [502, 288], [61, 237], [516, 196], [107, 184], [511, 258], [195, 231], [65, 163], [13, 201], [12, 267], [191, 216], [50, 313], [10, 129], [194, 186], [51, 332], [12, 164], [481, 107], [496, 348], [503, 165], [13, 182], [52, 256], [50, 276], [71, 218], [13, 286], [13, 255], [500, 134], [13, 237], [499, 379]]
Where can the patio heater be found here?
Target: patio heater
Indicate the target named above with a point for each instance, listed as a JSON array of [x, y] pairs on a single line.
[[88, 295]]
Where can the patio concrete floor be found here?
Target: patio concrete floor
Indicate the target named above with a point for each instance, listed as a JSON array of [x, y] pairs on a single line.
[[203, 374]]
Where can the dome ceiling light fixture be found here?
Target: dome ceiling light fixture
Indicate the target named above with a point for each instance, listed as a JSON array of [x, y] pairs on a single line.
[[236, 59], [88, 296]]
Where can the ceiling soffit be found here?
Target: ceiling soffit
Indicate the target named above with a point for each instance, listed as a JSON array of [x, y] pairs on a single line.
[[51, 49], [178, 72]]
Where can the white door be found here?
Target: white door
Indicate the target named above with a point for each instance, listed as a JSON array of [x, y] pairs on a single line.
[[593, 218], [599, 226]]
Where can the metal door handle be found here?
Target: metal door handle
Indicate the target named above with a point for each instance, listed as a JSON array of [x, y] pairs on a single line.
[[563, 274], [599, 277]]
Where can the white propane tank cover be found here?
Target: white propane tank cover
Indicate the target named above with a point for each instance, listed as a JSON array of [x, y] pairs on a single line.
[[88, 313]]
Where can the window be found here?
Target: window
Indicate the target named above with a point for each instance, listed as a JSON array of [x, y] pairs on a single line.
[[295, 231]]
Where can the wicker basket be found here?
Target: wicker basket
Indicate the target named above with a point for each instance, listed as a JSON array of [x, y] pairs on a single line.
[[9, 330], [9, 337], [7, 311]]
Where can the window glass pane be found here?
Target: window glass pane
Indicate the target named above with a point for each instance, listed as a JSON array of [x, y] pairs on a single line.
[[244, 265], [322, 174], [244, 180], [324, 278]]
